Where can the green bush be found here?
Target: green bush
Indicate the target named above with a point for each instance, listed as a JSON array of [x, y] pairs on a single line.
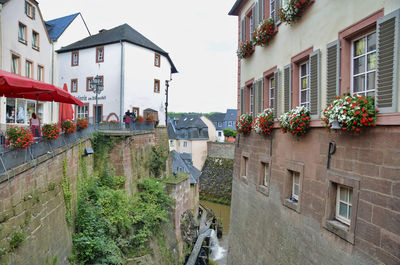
[[158, 158], [229, 133], [17, 236]]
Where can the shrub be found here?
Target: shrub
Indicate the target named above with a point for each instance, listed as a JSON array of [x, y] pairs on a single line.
[[352, 112], [264, 122], [229, 133], [243, 125], [264, 32], [68, 127], [18, 137], [296, 121], [82, 123], [245, 49], [158, 158], [17, 236], [50, 131]]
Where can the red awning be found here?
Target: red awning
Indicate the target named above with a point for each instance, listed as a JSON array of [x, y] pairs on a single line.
[[16, 86]]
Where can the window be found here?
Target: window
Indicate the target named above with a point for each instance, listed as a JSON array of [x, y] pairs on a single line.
[[15, 64], [156, 86], [74, 85], [251, 22], [75, 58], [251, 90], [230, 123], [22, 33], [295, 186], [244, 167], [271, 92], [40, 73], [184, 144], [157, 60], [88, 79], [344, 199], [171, 143], [35, 40], [364, 65], [82, 111], [219, 124], [135, 110], [219, 134], [272, 10], [20, 110], [304, 84], [99, 54], [29, 10], [265, 174], [28, 69]]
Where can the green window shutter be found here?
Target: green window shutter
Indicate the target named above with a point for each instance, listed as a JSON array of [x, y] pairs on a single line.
[[387, 62], [277, 93], [241, 100], [261, 8], [332, 70], [258, 96], [287, 88], [256, 15], [243, 30], [261, 96], [315, 82], [253, 19]]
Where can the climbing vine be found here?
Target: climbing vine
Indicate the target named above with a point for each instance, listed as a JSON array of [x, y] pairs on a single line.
[[67, 194]]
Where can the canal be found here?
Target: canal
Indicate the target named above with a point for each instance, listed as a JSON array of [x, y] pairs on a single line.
[[223, 212]]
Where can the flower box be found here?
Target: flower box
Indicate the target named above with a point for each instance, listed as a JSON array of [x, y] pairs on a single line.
[[50, 131], [294, 10], [264, 32], [264, 122], [245, 49], [68, 127], [82, 124], [243, 125], [18, 137], [296, 121]]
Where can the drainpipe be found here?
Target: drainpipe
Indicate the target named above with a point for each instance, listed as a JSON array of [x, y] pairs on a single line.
[[52, 78], [121, 92], [1, 41]]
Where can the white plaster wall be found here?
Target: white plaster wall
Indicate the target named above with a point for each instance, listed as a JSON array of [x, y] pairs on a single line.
[[319, 26], [182, 149], [140, 73], [212, 135], [220, 138], [88, 67], [12, 13], [199, 153]]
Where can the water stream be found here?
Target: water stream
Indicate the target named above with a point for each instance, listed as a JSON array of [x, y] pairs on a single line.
[[217, 252]]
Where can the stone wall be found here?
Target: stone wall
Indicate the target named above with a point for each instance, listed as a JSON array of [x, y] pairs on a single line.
[[221, 150], [32, 204], [266, 229]]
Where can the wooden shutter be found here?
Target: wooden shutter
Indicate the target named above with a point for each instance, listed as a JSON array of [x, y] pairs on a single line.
[[315, 82], [387, 62], [258, 96], [261, 9], [253, 19], [333, 70], [276, 93], [276, 16], [241, 100], [243, 29], [256, 14], [287, 87]]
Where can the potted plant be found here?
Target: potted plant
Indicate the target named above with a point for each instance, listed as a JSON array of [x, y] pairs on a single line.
[[296, 121], [294, 10], [68, 127], [352, 113], [264, 32], [149, 119], [82, 123], [50, 131], [139, 118], [243, 125], [18, 137], [264, 122], [245, 49]]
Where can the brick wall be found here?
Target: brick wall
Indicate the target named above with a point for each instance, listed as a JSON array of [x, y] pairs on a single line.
[[221, 150], [34, 200], [264, 231]]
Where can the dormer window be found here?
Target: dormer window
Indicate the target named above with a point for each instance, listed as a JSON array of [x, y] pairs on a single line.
[[29, 10], [157, 60], [99, 54], [75, 58]]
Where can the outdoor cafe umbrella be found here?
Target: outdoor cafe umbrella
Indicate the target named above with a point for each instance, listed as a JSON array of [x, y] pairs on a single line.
[[16, 86], [65, 112]]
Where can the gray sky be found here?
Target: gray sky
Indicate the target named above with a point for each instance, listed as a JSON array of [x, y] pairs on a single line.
[[199, 36]]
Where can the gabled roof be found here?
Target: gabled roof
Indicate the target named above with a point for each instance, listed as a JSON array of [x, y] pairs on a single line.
[[180, 161], [57, 26], [231, 115], [217, 117], [235, 8], [171, 129], [190, 121], [120, 33], [3, 1]]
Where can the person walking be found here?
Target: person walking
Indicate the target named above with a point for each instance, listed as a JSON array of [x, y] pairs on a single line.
[[127, 119], [34, 123]]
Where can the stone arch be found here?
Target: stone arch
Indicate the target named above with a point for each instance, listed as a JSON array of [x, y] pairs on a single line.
[[111, 115]]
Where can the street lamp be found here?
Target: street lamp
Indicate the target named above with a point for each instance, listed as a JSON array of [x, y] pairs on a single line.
[[97, 86]]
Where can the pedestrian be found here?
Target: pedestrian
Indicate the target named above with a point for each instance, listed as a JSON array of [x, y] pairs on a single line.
[[34, 123], [127, 119]]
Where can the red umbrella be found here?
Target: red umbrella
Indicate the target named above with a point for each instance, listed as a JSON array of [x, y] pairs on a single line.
[[16, 86], [65, 112]]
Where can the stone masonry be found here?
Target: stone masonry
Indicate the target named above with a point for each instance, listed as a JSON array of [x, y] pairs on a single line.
[[266, 229]]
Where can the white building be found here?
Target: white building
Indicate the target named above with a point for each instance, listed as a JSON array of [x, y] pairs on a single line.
[[133, 69], [25, 50]]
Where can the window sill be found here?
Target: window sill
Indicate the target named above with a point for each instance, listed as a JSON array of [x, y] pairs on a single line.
[[292, 205], [35, 48], [340, 229], [23, 41], [263, 190]]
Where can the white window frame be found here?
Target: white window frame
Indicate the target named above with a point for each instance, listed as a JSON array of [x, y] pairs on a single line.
[[40, 73], [366, 72], [82, 111], [29, 70], [23, 32], [35, 41], [348, 203], [251, 25], [219, 124], [184, 144], [17, 64], [307, 89], [271, 92], [29, 10], [39, 108], [251, 91], [294, 184]]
